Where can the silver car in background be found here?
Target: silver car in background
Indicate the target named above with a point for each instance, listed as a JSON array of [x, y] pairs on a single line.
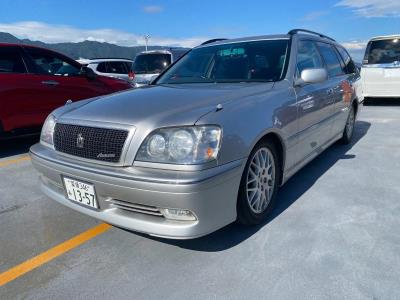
[[149, 64], [209, 142]]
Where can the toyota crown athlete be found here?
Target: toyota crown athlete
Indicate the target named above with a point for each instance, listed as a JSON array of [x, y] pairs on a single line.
[[209, 142]]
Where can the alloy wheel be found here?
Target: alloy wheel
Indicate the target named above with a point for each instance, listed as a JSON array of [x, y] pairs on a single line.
[[260, 181]]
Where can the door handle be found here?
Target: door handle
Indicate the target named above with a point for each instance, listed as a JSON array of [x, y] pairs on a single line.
[[50, 82], [330, 91]]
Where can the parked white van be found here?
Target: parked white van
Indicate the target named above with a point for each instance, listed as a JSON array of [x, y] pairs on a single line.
[[380, 71], [149, 64]]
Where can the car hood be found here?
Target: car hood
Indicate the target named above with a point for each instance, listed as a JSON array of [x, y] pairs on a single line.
[[162, 106]]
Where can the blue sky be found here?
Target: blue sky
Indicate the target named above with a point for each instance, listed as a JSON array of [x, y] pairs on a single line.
[[178, 22]]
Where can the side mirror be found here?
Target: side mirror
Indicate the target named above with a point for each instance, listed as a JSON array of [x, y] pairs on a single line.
[[88, 73], [312, 76]]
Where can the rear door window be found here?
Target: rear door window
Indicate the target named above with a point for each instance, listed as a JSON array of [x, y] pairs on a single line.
[[11, 61], [117, 67], [383, 51], [102, 67], [331, 59], [50, 64]]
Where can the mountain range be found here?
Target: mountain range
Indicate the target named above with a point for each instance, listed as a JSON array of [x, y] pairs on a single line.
[[92, 49], [85, 49]]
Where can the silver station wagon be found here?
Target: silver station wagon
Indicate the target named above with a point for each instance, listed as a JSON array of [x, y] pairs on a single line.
[[209, 142]]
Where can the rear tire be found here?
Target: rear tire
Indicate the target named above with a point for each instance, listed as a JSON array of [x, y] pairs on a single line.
[[259, 184], [349, 128]]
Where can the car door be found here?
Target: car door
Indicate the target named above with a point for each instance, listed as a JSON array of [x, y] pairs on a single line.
[[338, 82], [314, 103], [16, 91], [57, 79], [349, 86]]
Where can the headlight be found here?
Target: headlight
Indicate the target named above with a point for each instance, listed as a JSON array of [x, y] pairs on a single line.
[[181, 145], [46, 137]]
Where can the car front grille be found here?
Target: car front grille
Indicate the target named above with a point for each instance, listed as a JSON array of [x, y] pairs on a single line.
[[101, 144], [139, 208]]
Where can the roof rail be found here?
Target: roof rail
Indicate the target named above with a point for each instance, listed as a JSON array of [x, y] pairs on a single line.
[[212, 41], [294, 31]]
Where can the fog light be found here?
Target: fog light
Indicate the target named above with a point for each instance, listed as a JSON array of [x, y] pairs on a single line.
[[178, 214]]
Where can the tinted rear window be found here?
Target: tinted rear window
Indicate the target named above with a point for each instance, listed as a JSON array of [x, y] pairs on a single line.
[[383, 52], [151, 63], [11, 61]]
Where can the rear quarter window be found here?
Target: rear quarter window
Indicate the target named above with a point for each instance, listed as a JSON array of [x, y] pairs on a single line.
[[349, 65]]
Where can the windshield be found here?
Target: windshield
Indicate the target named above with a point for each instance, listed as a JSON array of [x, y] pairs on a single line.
[[258, 61], [383, 52], [151, 63]]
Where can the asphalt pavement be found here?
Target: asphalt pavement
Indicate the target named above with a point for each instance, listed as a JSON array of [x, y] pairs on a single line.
[[333, 235]]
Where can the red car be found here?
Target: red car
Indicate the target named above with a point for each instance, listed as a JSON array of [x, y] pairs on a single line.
[[35, 81]]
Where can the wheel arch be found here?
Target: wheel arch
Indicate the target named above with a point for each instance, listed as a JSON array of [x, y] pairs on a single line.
[[278, 141]]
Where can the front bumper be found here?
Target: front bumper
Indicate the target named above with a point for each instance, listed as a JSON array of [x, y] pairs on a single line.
[[210, 194]]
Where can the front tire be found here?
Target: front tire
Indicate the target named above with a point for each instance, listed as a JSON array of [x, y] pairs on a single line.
[[349, 128], [259, 184]]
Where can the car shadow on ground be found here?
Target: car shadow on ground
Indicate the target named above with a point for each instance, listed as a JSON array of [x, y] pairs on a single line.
[[382, 102], [233, 234], [17, 145]]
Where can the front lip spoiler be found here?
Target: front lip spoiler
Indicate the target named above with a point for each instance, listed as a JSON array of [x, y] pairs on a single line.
[[221, 170]]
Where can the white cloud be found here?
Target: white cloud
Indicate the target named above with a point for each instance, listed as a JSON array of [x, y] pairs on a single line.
[[356, 49], [53, 33], [355, 45], [153, 9], [314, 15], [373, 8]]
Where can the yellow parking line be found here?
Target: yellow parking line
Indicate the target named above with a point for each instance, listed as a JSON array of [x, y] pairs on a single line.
[[52, 253], [14, 161]]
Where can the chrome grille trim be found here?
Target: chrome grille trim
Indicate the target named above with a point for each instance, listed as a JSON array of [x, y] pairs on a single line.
[[134, 207], [100, 144]]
